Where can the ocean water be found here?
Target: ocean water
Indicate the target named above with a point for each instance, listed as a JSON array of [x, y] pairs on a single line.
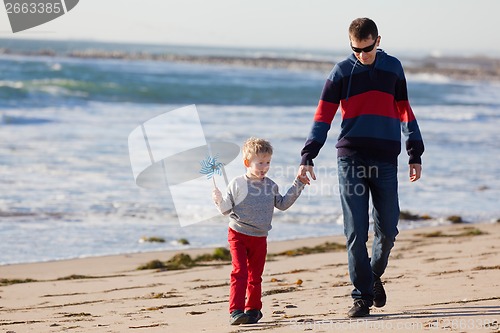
[[66, 183]]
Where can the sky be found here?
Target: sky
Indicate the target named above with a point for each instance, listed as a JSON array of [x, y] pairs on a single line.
[[451, 27]]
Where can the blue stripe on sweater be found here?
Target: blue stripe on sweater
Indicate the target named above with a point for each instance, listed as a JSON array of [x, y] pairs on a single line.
[[319, 132], [372, 126], [411, 130]]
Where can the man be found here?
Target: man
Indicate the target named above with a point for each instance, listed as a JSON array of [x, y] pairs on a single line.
[[370, 88]]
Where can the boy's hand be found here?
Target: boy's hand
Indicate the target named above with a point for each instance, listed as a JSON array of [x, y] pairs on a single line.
[[415, 172], [302, 174], [216, 196]]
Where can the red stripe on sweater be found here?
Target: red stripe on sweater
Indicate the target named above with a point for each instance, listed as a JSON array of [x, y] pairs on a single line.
[[325, 112], [370, 103], [405, 112]]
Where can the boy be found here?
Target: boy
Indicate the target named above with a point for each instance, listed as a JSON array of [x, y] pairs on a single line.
[[250, 202]]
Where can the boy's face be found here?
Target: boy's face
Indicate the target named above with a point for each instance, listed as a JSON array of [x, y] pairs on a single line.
[[257, 166], [364, 56]]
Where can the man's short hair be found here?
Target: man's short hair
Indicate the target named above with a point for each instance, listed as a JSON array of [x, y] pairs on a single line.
[[363, 28]]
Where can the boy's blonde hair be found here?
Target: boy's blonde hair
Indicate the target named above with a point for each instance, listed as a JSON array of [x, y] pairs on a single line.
[[254, 146]]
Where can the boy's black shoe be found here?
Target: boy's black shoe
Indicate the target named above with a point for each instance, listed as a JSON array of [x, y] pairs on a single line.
[[360, 309], [255, 316], [239, 317], [379, 297]]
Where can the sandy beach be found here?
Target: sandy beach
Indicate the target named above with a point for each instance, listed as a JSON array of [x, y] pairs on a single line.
[[443, 278]]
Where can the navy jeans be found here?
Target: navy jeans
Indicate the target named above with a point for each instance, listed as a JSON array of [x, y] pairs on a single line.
[[358, 178]]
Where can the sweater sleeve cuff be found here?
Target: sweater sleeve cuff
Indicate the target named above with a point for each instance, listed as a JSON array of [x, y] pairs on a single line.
[[415, 160], [306, 160]]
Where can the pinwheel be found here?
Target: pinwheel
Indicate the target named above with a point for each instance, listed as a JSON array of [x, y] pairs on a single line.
[[210, 167]]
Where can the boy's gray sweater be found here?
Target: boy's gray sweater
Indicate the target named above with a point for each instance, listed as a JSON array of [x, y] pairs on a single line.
[[250, 203]]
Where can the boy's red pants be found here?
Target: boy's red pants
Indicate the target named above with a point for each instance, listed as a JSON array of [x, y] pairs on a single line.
[[248, 258]]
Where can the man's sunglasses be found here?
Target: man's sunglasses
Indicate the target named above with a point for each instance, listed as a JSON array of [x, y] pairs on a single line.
[[364, 49]]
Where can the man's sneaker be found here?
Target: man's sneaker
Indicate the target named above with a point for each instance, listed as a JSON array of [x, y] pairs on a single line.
[[238, 317], [379, 297], [360, 309], [255, 316]]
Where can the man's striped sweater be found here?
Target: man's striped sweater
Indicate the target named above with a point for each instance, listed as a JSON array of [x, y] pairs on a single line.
[[374, 103]]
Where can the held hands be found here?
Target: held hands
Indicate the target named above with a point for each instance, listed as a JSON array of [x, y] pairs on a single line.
[[302, 174], [415, 172], [216, 196]]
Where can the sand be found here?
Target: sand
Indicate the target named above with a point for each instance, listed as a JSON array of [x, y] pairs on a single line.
[[443, 278]]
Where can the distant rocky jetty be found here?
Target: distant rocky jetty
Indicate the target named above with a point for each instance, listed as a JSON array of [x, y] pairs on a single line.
[[462, 68]]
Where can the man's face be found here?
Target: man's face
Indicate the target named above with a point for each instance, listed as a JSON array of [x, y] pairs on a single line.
[[362, 52]]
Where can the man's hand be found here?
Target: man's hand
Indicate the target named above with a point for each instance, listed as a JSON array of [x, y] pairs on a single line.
[[415, 172], [216, 196], [302, 174]]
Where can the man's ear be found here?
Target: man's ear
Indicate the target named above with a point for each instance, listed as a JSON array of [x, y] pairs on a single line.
[[246, 162]]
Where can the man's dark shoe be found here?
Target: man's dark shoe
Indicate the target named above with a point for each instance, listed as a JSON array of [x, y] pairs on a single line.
[[238, 317], [360, 309], [379, 297], [255, 316]]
